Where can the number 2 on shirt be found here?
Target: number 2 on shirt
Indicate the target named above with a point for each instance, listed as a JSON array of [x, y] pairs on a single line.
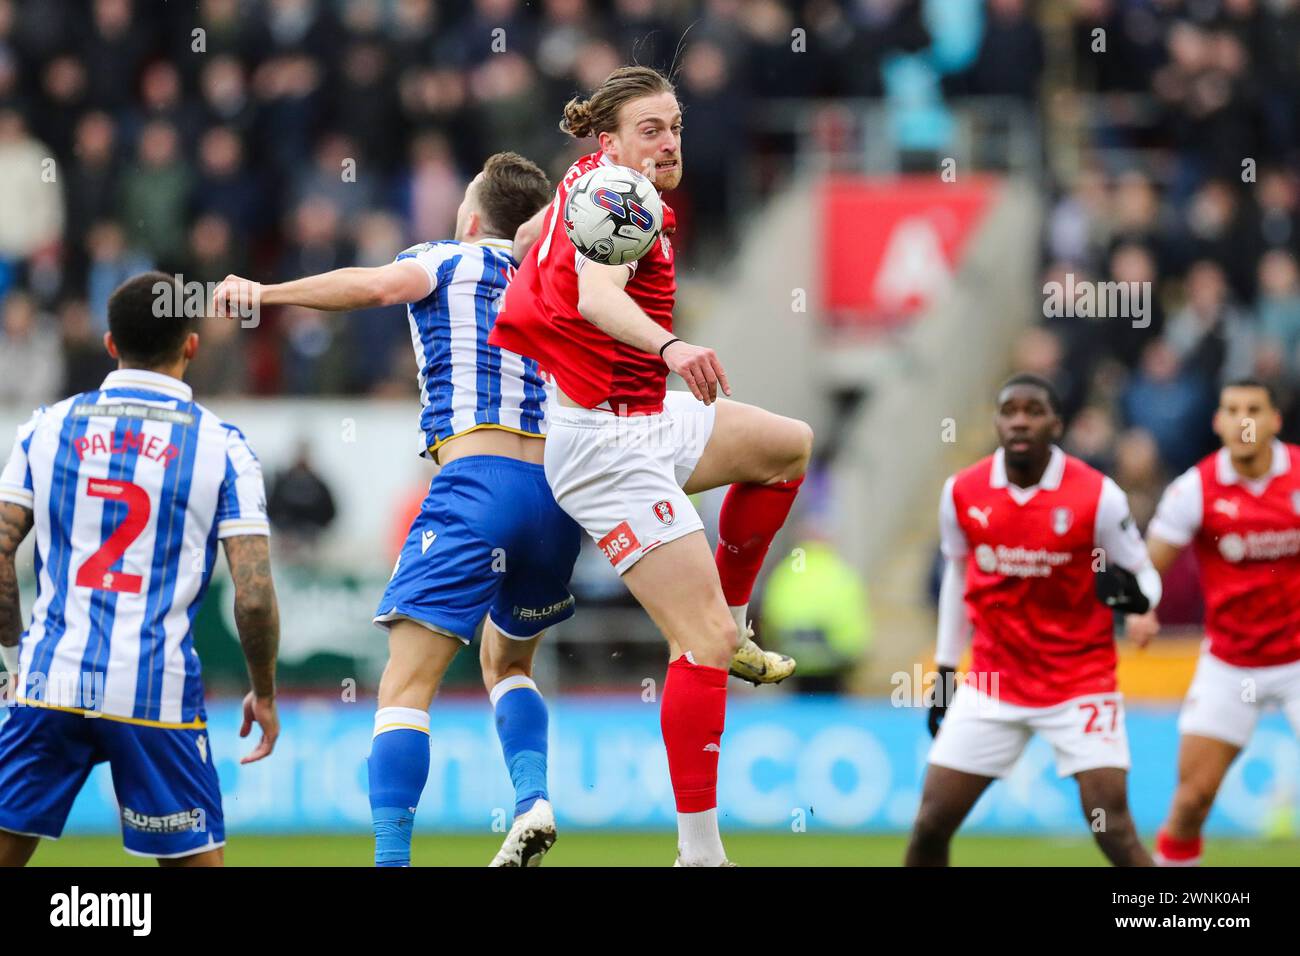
[[97, 571]]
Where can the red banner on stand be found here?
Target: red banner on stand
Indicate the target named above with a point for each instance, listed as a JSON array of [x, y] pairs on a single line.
[[889, 246]]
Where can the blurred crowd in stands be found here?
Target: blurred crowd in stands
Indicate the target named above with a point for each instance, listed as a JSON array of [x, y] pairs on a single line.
[[272, 138], [1189, 184]]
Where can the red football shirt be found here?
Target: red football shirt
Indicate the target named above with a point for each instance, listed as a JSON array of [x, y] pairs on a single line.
[[1040, 636], [1246, 535], [539, 315]]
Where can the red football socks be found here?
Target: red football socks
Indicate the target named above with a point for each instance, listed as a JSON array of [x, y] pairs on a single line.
[[1174, 852], [751, 516], [692, 714]]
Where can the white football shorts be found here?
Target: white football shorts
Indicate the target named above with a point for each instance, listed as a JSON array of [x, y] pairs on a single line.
[[621, 476], [986, 736], [1225, 701]]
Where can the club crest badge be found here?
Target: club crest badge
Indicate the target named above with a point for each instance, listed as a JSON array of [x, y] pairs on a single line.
[[664, 512]]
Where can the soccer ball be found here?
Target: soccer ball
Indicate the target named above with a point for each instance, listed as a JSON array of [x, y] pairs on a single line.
[[613, 215]]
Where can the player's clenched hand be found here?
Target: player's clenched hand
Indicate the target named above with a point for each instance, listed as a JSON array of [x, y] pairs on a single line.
[[236, 297], [1140, 628], [260, 710], [699, 368]]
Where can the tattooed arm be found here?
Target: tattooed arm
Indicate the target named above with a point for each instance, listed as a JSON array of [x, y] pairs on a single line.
[[15, 522], [257, 618]]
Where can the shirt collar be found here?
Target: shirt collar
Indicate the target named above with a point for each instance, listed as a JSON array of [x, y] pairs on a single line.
[[1227, 475], [138, 378], [1050, 481]]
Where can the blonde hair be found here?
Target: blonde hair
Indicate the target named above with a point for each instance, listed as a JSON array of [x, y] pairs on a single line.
[[598, 113]]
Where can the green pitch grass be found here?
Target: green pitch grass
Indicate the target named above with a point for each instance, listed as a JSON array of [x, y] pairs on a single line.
[[657, 849]]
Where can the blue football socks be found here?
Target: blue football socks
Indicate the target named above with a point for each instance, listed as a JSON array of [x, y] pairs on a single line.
[[398, 767], [521, 725]]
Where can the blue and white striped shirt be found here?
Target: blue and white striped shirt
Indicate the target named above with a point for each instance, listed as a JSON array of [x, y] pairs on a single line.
[[131, 487], [465, 383]]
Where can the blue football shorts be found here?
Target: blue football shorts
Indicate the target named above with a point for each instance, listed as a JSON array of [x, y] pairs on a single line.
[[489, 539], [164, 779]]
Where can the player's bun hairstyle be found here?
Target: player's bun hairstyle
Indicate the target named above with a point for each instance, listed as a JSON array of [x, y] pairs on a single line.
[[147, 317], [510, 193], [598, 113], [1037, 381]]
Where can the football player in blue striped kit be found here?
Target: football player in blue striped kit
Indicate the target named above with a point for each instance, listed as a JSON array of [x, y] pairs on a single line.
[[490, 545], [130, 489]]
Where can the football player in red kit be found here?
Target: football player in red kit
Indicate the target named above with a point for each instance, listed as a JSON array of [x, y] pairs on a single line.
[[1239, 509], [623, 455], [1035, 542]]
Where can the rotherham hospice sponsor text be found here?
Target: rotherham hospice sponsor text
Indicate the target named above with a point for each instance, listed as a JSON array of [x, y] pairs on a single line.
[[1260, 545], [1017, 561]]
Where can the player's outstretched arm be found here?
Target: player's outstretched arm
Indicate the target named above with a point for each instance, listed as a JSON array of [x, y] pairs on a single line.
[[15, 522], [341, 290], [257, 618], [603, 301]]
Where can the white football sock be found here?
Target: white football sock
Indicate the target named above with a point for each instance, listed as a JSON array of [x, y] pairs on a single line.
[[400, 718], [740, 614], [698, 841]]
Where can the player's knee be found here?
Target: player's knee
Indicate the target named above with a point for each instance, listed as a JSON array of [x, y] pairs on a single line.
[[1108, 816], [802, 449], [793, 451], [716, 643], [933, 827], [1103, 798], [406, 685]]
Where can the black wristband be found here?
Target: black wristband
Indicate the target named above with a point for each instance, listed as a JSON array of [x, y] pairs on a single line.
[[665, 345]]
